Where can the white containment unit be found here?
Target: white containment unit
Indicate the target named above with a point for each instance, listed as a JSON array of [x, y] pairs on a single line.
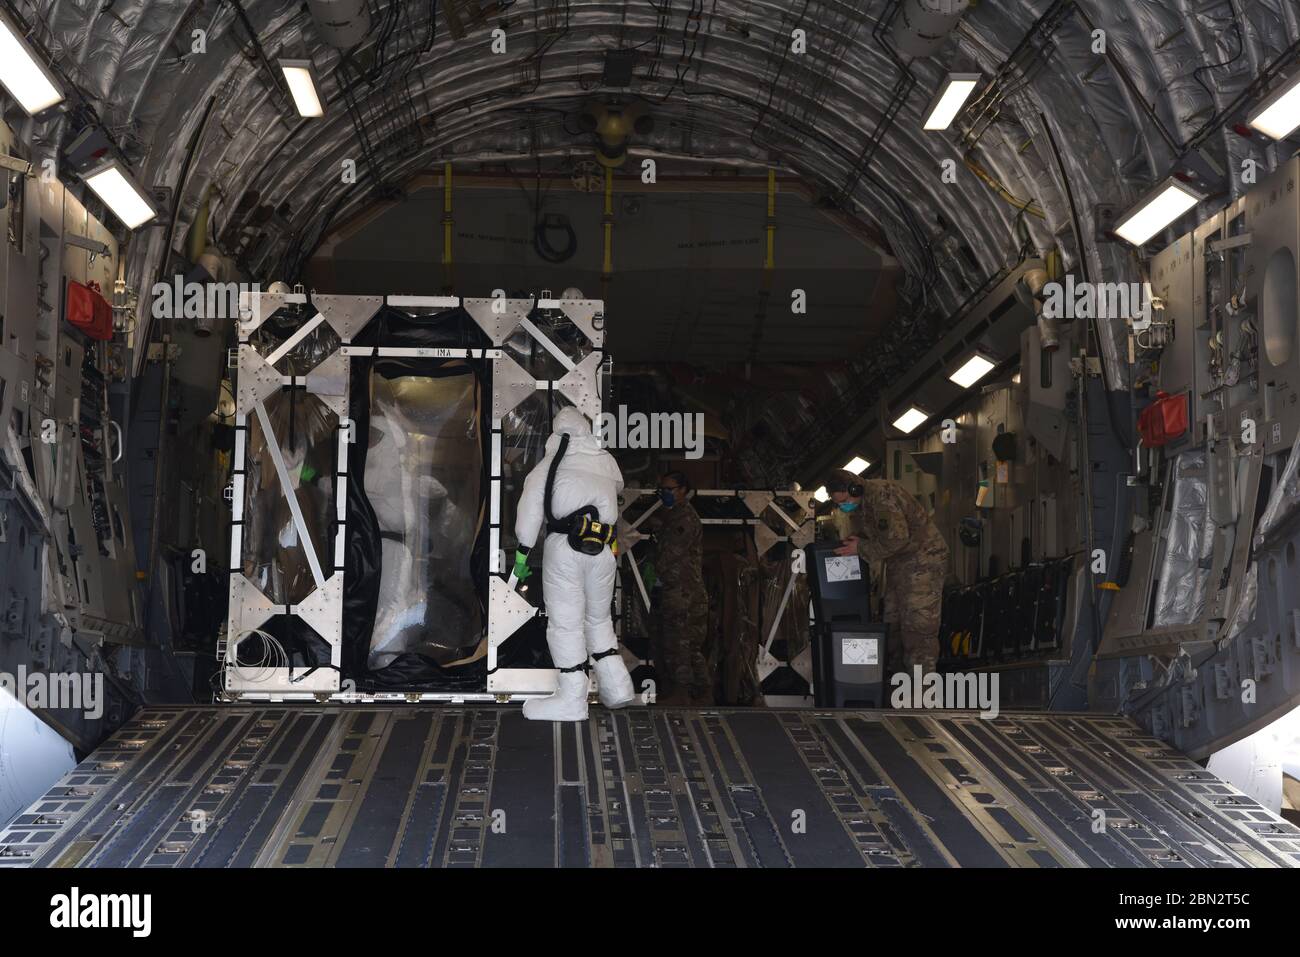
[[380, 445]]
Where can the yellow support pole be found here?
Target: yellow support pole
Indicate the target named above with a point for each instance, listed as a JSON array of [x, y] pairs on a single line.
[[447, 223]]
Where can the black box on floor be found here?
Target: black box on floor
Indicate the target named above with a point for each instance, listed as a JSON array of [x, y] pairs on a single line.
[[850, 663], [848, 648]]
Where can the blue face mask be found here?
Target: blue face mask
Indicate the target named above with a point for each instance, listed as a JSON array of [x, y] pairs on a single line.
[[668, 498], [848, 506]]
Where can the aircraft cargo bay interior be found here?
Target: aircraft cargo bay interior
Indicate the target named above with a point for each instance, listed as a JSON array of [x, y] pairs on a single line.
[[649, 434]]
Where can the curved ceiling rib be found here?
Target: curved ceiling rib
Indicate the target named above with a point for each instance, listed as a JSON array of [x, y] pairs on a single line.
[[1122, 118]]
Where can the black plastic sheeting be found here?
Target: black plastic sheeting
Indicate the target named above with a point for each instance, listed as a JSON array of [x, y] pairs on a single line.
[[449, 329], [364, 557]]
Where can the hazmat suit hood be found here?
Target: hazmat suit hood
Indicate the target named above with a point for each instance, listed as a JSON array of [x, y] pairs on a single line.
[[582, 439], [587, 475]]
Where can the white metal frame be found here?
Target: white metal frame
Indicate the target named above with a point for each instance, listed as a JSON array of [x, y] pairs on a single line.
[[802, 530], [250, 609]]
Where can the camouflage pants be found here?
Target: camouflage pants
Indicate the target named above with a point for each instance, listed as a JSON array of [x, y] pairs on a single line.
[[913, 601], [681, 629]]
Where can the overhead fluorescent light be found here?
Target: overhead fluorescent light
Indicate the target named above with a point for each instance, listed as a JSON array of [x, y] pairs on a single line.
[[954, 91], [1156, 210], [858, 465], [910, 420], [822, 495], [113, 184], [974, 369], [301, 78], [23, 74], [1279, 115]]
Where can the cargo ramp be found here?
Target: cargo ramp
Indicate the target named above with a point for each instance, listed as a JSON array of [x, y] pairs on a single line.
[[479, 786]]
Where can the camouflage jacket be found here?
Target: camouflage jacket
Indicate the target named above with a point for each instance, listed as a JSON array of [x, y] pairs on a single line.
[[679, 558], [891, 525]]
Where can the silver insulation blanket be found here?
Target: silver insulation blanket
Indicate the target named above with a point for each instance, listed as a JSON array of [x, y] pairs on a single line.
[[1284, 501], [1185, 568]]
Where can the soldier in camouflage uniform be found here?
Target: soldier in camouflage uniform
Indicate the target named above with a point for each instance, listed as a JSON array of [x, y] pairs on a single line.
[[886, 524], [683, 618]]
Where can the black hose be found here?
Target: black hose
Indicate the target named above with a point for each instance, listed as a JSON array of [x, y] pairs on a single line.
[[1124, 443], [542, 245]]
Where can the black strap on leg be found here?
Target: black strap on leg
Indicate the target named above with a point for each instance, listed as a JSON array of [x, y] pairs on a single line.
[[582, 667], [604, 654]]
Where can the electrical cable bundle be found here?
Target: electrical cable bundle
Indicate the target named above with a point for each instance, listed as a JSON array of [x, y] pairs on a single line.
[[273, 656]]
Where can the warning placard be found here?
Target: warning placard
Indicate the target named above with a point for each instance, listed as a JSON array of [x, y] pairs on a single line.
[[860, 651], [843, 568]]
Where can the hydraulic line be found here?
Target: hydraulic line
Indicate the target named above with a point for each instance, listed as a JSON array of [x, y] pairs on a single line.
[[165, 324], [1024, 205], [1083, 268], [1094, 603], [272, 74]]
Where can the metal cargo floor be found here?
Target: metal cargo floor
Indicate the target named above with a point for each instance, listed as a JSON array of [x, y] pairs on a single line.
[[417, 786]]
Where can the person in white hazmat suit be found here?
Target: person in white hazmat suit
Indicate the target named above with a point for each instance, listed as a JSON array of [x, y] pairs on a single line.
[[575, 476]]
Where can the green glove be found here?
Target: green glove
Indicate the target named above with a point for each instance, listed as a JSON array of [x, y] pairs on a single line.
[[522, 571], [648, 576]]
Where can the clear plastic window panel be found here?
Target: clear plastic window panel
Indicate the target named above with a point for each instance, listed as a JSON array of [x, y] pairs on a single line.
[[424, 478], [564, 337], [274, 556]]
